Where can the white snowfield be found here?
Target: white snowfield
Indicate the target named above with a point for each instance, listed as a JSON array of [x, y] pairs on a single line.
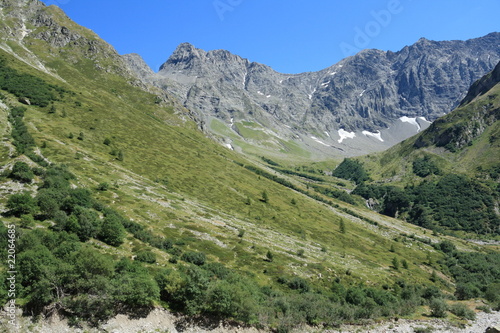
[[345, 135], [412, 121]]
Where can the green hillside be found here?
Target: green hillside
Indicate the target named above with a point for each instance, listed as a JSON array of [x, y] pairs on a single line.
[[120, 203]]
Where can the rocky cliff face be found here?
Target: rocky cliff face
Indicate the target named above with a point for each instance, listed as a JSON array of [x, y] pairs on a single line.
[[32, 24], [460, 128], [364, 95]]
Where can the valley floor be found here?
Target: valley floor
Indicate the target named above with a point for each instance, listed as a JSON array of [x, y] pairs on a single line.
[[164, 321]]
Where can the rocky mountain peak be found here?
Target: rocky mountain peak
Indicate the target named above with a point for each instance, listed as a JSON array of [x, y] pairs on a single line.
[[363, 96], [137, 63], [184, 57]]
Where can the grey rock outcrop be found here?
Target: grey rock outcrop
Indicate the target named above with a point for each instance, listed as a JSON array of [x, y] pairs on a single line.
[[366, 92]]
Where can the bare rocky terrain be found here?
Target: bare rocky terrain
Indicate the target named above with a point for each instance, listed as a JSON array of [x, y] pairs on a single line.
[[162, 321]]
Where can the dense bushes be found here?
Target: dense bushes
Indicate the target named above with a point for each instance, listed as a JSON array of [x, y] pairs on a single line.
[[22, 139], [22, 172], [351, 170], [27, 86], [424, 166], [453, 202], [72, 209], [58, 269]]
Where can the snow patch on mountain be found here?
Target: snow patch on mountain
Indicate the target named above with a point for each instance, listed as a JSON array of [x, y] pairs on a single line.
[[412, 121], [345, 135]]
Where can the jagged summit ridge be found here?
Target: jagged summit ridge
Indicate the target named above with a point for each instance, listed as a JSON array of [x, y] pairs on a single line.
[[369, 91]]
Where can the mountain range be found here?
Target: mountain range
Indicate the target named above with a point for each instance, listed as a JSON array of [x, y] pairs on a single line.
[[361, 104], [121, 204]]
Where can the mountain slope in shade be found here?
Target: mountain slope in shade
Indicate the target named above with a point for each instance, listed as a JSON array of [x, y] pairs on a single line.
[[361, 95]]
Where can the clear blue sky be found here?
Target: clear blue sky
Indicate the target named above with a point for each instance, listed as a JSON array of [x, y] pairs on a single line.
[[291, 36]]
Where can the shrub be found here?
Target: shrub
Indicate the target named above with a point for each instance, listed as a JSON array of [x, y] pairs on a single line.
[[269, 256], [197, 258], [297, 283], [146, 256], [484, 308], [48, 202], [462, 311], [112, 231], [423, 167], [466, 291], [22, 172], [438, 307], [27, 221], [21, 204], [351, 170], [137, 290], [88, 223], [355, 296], [395, 263], [103, 186], [265, 197]]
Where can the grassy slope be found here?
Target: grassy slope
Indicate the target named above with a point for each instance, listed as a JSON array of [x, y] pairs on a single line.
[[185, 186]]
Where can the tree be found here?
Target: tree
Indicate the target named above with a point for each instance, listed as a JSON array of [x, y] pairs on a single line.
[[265, 197], [22, 172], [88, 223], [21, 204], [146, 256], [342, 228], [269, 256], [103, 186], [197, 258], [395, 263], [137, 290], [351, 170], [438, 307], [107, 141], [112, 231]]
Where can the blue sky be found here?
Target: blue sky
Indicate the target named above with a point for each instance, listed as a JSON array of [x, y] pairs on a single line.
[[291, 36]]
